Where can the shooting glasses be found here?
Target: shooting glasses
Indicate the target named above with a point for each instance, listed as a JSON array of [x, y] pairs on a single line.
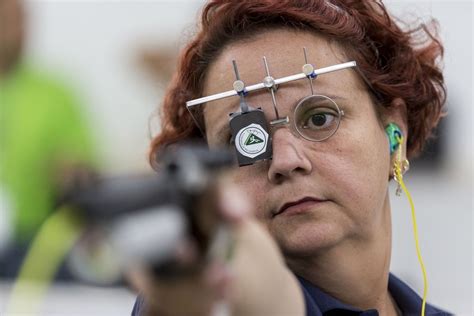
[[315, 117]]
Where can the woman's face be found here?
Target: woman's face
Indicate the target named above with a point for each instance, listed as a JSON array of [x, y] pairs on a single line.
[[312, 195]]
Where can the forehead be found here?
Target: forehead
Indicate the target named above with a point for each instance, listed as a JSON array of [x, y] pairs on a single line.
[[283, 49]]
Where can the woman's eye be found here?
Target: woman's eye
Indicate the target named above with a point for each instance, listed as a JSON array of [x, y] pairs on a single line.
[[320, 120]]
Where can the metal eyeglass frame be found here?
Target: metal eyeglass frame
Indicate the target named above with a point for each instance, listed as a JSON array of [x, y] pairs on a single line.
[[271, 84], [340, 114]]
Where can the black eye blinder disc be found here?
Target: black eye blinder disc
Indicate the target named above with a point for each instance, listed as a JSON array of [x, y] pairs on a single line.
[[250, 136]]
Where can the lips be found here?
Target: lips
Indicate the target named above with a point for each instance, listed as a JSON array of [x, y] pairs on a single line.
[[298, 206]]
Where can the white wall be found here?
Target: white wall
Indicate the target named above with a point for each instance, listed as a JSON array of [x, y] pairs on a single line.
[[94, 43]]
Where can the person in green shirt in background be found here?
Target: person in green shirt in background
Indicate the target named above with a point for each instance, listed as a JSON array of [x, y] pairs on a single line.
[[44, 140]]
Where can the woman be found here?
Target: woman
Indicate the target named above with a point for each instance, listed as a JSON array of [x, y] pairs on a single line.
[[322, 197]]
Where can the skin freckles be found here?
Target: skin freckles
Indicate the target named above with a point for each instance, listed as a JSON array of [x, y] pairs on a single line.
[[348, 171]]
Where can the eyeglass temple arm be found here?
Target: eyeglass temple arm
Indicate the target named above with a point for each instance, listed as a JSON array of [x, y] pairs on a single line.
[[260, 86], [377, 95]]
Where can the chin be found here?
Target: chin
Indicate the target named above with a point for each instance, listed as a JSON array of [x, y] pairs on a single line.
[[308, 239]]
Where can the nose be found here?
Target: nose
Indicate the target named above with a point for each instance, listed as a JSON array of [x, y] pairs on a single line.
[[289, 158]]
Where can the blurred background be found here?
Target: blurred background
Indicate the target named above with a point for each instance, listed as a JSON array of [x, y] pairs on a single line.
[[110, 61]]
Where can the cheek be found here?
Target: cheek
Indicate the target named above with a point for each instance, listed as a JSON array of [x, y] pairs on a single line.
[[357, 169], [252, 180]]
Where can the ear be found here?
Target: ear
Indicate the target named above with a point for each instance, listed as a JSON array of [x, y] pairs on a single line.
[[397, 113]]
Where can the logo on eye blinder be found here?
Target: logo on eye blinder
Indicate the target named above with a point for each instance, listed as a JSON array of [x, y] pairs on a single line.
[[251, 140]]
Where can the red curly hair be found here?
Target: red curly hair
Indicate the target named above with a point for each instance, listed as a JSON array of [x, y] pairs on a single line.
[[398, 63]]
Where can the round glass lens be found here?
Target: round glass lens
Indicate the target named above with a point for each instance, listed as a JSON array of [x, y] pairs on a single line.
[[317, 117]]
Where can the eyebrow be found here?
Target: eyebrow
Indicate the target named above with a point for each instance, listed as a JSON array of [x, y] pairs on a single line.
[[334, 97], [236, 103]]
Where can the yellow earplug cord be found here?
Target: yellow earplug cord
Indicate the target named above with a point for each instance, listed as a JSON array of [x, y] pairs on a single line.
[[399, 179]]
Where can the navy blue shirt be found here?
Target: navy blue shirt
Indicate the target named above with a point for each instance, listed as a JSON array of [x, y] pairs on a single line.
[[319, 303]]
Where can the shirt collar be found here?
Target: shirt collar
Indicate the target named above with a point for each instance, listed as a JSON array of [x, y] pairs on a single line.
[[326, 303], [407, 300]]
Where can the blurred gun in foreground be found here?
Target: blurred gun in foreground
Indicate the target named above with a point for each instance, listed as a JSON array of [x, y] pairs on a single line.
[[143, 219], [112, 224]]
